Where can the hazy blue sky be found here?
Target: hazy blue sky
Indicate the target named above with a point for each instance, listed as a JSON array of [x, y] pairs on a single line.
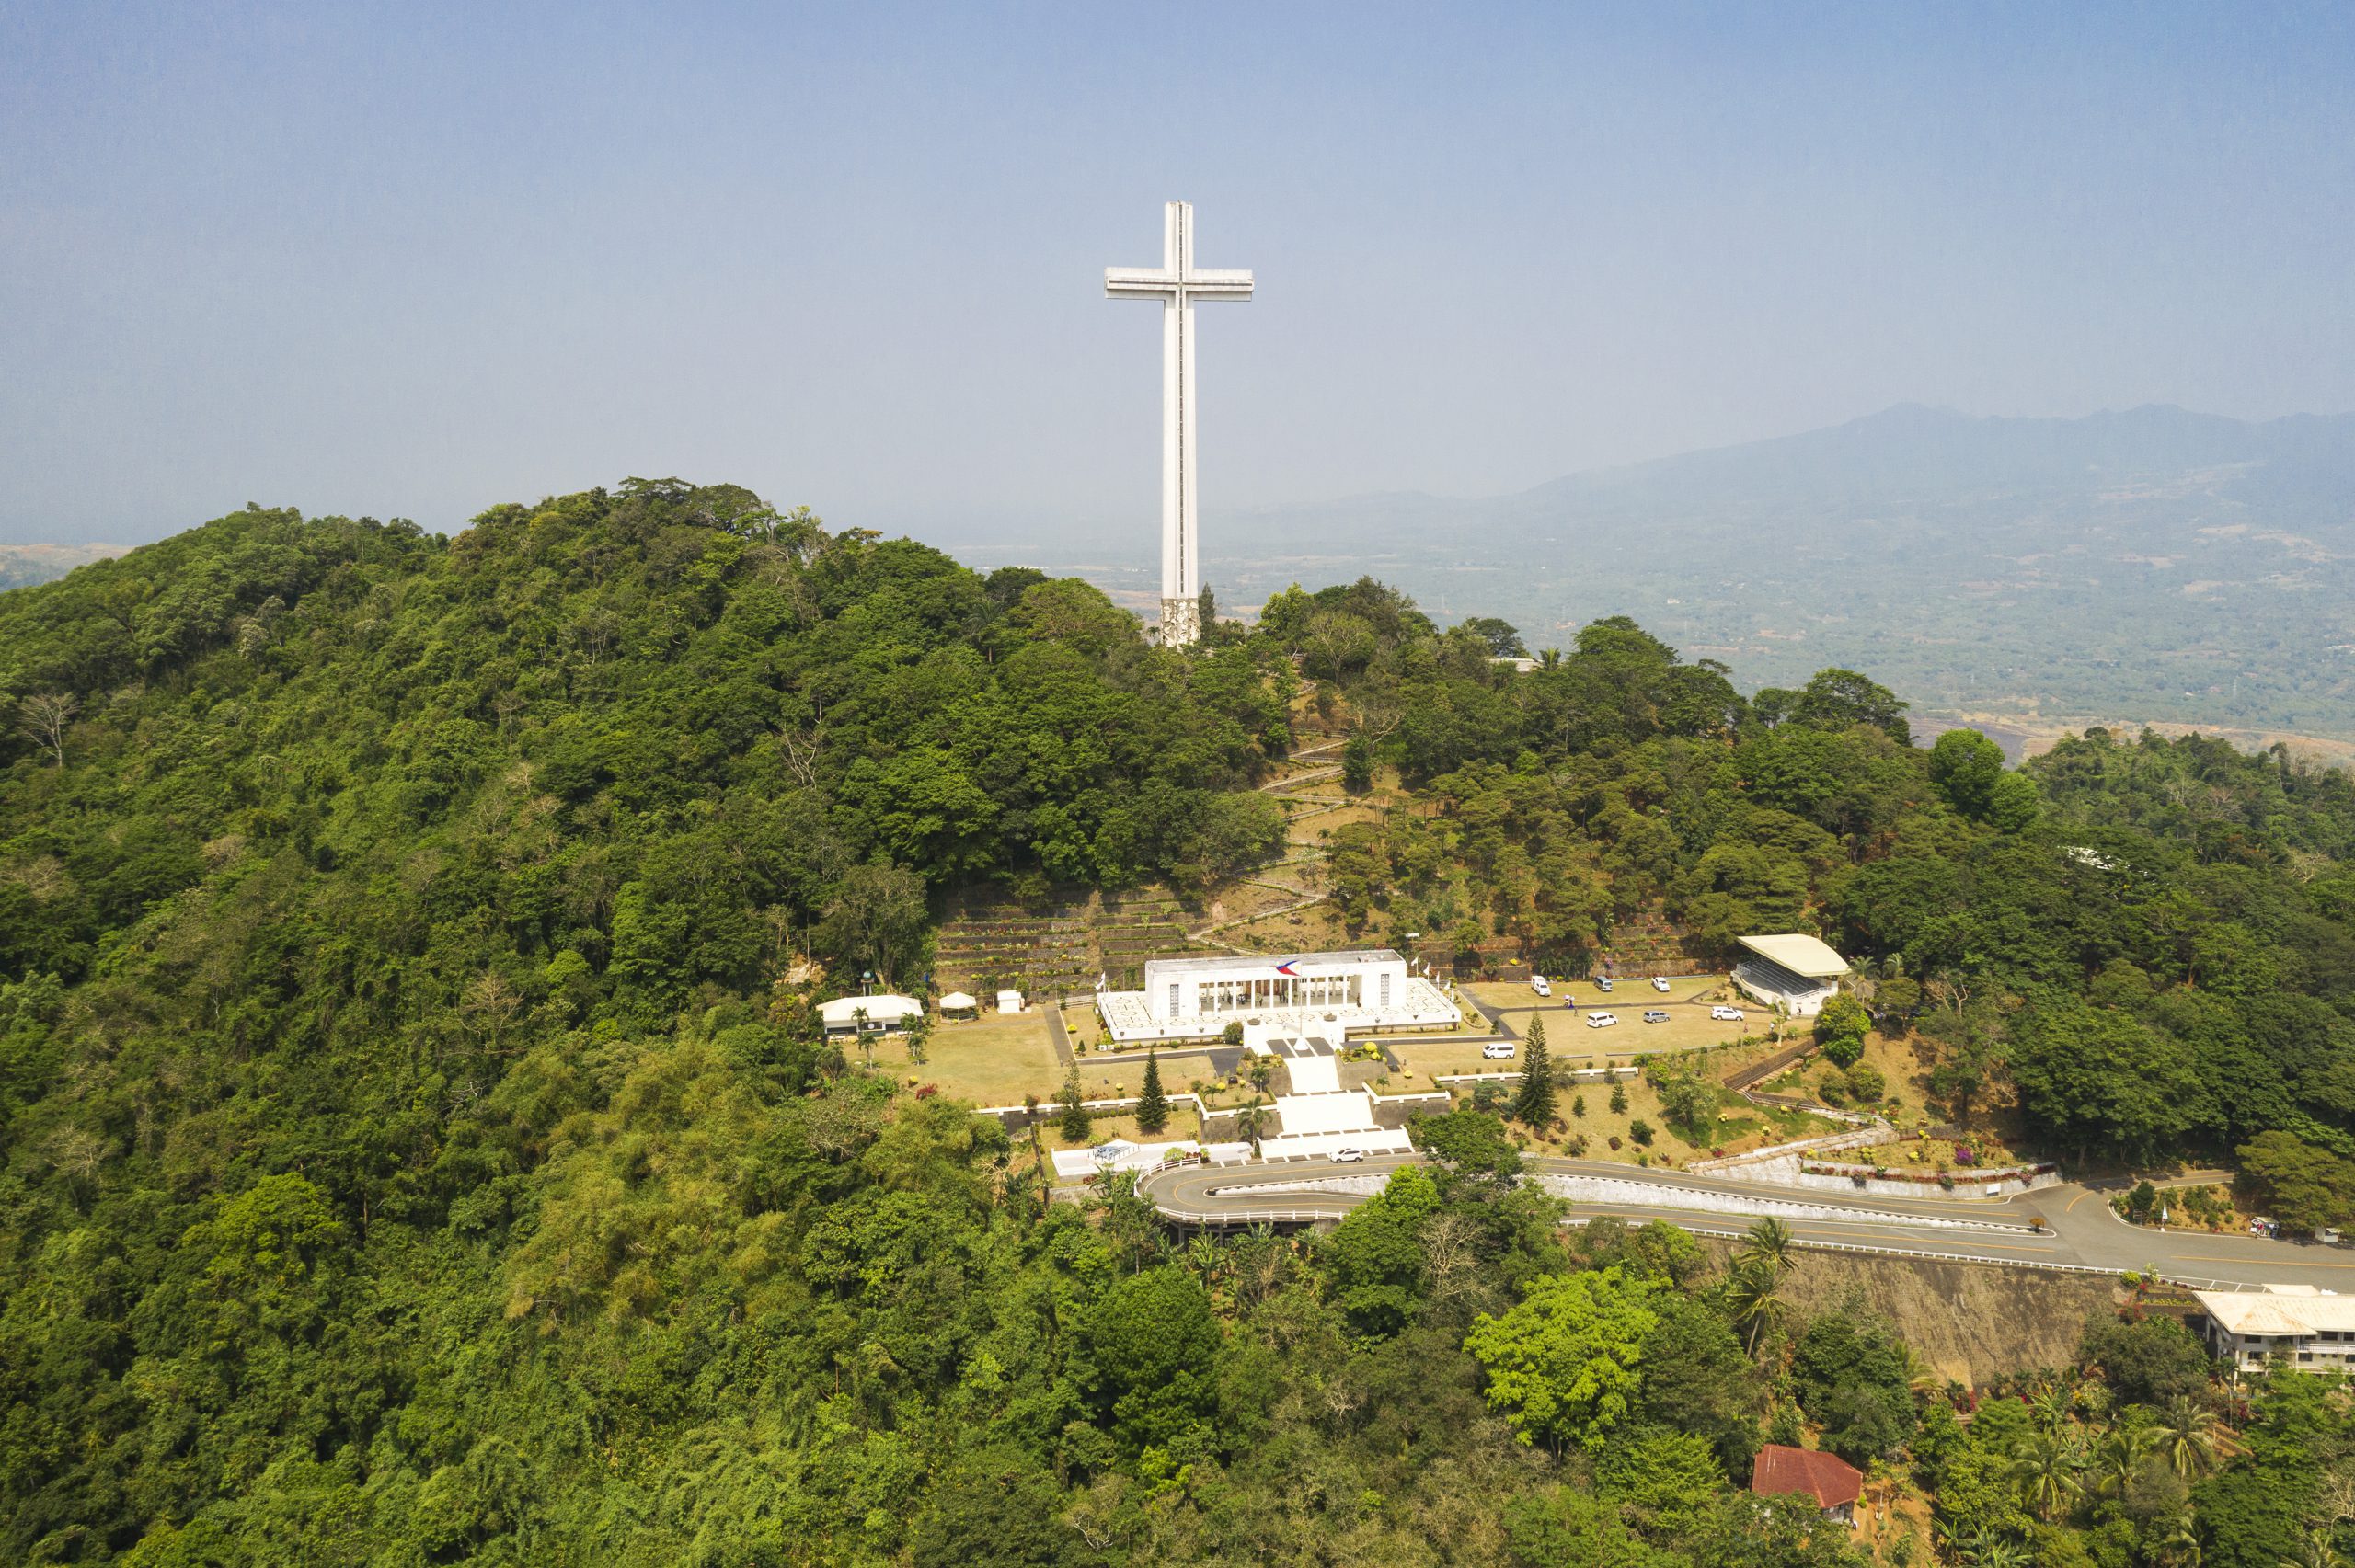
[[414, 260]]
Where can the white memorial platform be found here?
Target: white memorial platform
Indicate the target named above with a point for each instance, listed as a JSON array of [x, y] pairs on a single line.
[[1319, 1117]]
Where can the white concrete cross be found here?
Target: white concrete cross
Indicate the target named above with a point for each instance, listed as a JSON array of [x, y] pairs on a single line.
[[1177, 283]]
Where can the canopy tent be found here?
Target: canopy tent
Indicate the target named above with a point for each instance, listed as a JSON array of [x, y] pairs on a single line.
[[957, 1001], [844, 1012]]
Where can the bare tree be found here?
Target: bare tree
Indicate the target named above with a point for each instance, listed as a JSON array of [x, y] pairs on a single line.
[[45, 716]]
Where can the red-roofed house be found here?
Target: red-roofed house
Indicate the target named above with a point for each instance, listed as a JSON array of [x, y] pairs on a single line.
[[1832, 1482]]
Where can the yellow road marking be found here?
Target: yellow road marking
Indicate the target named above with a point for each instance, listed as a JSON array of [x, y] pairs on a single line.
[[2231, 1257], [2078, 1199]]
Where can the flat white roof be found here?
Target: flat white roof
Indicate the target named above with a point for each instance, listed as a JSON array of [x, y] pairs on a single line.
[[2278, 1310], [880, 1009], [1275, 960], [1808, 955]]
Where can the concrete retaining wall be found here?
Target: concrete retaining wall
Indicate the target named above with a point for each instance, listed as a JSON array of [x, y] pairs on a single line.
[[1615, 1189], [1394, 1111], [1967, 1183]]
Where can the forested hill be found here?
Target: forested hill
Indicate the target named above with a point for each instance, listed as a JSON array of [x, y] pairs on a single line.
[[418, 1149], [641, 736]]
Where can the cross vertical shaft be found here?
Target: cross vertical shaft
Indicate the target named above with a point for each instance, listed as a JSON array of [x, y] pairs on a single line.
[[1178, 285]]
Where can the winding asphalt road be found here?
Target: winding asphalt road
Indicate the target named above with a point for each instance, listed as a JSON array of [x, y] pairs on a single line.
[[2079, 1230]]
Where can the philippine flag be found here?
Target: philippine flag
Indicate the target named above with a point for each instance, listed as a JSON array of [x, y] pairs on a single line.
[[1286, 968]]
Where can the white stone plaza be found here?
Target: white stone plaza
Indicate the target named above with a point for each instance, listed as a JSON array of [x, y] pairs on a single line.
[[1178, 284], [1325, 995]]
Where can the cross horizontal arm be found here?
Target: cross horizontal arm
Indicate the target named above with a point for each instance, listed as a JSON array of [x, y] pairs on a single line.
[[1137, 283], [1154, 283]]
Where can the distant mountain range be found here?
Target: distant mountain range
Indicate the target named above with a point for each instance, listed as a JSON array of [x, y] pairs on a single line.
[[2154, 565], [23, 564]]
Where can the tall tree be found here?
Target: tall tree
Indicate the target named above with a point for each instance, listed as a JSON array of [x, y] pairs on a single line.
[[1534, 1104], [1073, 1119], [1152, 1106]]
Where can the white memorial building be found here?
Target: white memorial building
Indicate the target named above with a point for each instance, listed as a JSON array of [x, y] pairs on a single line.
[[1330, 994]]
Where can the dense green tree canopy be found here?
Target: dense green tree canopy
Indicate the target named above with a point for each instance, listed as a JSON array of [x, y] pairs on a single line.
[[418, 1146]]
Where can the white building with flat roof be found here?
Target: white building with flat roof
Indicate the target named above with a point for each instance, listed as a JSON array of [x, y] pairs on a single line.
[[868, 1014], [1334, 994], [1800, 972], [2311, 1330]]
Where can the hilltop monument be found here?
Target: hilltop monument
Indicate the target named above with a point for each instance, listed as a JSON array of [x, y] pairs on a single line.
[[1177, 283]]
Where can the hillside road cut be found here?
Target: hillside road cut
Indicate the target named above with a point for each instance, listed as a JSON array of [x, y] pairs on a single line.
[[2079, 1231]]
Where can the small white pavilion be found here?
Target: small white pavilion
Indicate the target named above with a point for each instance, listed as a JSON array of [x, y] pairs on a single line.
[[1800, 972]]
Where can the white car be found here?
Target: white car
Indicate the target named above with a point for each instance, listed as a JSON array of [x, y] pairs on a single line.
[[1601, 1020], [1348, 1156], [1537, 983], [1725, 1014], [1660, 983], [1498, 1050]]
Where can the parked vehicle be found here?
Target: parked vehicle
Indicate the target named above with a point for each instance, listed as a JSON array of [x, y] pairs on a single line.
[[1725, 1014], [1660, 983], [1498, 1050], [1601, 1020], [1537, 983], [1654, 1015], [1348, 1156], [1602, 983]]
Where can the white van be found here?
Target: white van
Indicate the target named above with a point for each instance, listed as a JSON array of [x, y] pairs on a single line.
[[1498, 1050], [1601, 1020], [1537, 983]]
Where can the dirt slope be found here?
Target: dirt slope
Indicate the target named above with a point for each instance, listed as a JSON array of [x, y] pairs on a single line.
[[1971, 1322]]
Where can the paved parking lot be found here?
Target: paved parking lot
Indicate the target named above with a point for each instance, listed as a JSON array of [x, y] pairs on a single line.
[[1689, 1026]]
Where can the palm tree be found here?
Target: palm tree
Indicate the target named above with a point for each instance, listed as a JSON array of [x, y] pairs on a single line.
[[1769, 1245], [1988, 1550], [2180, 1547], [1749, 1298], [2044, 1467], [1920, 1375], [2316, 1548], [1248, 1125], [2118, 1457], [2051, 1405], [2192, 1437]]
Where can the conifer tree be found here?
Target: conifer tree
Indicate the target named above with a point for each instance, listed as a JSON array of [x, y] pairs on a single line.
[[1072, 1120], [1534, 1103], [1152, 1106], [1618, 1098]]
